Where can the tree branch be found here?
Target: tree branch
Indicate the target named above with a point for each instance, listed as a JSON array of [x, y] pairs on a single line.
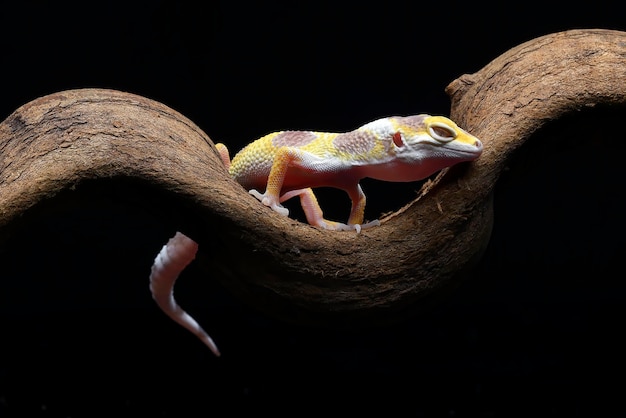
[[292, 270]]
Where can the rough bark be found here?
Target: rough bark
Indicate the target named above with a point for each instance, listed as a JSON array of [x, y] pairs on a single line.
[[62, 141]]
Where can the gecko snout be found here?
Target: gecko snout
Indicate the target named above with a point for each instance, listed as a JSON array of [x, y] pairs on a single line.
[[478, 146]]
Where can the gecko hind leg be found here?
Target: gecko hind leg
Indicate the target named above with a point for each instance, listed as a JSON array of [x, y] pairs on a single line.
[[224, 154], [315, 215], [179, 251]]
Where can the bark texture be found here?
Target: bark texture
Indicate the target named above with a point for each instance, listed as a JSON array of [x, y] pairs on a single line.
[[65, 140]]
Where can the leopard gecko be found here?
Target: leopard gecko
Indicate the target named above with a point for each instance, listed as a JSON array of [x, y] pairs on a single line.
[[287, 164]]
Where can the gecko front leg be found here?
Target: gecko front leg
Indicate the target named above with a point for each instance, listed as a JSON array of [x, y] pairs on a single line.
[[285, 157]]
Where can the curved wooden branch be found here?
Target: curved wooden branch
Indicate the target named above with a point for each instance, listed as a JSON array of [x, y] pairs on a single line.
[[293, 270]]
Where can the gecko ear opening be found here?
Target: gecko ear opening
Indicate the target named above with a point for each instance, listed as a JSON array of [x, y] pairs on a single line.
[[397, 139]]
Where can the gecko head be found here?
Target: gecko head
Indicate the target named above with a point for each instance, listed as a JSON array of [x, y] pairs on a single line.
[[434, 140]]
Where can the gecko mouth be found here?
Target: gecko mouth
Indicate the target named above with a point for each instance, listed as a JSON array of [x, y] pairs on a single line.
[[473, 150]]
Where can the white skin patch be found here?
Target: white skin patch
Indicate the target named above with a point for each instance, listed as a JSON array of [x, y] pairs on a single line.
[[378, 125]]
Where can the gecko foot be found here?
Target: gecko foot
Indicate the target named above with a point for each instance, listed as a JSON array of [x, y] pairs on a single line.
[[338, 226], [270, 202]]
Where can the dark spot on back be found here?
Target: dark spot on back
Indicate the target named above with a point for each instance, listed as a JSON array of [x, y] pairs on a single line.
[[293, 138], [355, 142]]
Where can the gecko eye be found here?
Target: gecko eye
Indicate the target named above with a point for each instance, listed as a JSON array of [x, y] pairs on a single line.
[[441, 132]]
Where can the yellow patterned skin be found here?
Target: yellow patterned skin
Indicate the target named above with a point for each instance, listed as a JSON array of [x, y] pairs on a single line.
[[292, 163]]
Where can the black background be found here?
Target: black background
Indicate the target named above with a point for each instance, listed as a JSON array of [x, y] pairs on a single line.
[[535, 332]]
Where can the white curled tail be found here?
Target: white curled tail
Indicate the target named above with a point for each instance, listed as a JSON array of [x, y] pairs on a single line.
[[179, 251]]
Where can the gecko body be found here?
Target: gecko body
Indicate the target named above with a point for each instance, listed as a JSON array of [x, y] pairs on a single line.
[[287, 164], [398, 149]]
